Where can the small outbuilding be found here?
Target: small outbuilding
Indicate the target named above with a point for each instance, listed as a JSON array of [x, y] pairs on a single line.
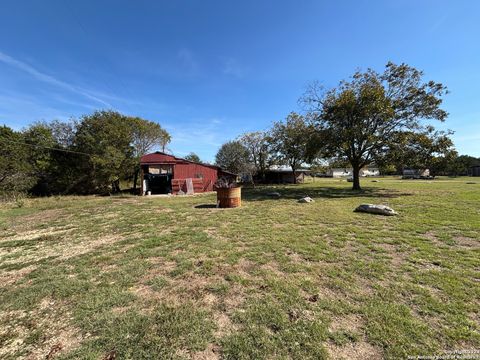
[[347, 172], [475, 170], [416, 174], [163, 173], [339, 172], [284, 175]]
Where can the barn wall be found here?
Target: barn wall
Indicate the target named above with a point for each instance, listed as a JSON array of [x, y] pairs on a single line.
[[203, 177], [188, 170]]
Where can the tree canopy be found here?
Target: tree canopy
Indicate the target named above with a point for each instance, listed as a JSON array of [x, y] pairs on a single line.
[[91, 154], [362, 115], [193, 157], [233, 156], [290, 140], [259, 146], [16, 173]]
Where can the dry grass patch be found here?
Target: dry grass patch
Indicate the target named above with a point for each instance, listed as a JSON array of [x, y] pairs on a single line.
[[350, 322], [8, 278], [397, 257], [466, 242], [354, 351], [60, 247], [42, 333]]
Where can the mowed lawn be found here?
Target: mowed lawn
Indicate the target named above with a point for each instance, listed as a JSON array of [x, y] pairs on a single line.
[[155, 277]]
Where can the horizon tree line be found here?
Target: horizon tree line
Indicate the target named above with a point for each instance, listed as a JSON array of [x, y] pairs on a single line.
[[381, 118], [89, 155]]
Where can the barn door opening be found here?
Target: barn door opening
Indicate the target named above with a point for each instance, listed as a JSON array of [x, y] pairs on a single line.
[[159, 179], [159, 183]]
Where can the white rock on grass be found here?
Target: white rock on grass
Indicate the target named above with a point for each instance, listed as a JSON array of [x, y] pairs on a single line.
[[376, 209], [306, 199]]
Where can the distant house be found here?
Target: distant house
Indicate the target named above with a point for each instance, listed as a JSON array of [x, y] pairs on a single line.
[[339, 172], [416, 173], [347, 172], [370, 171], [284, 175], [474, 171], [167, 174]]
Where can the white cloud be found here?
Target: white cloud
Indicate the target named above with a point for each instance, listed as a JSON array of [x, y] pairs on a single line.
[[232, 67], [6, 59]]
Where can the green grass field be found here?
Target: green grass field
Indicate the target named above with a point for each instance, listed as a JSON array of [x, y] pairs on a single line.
[[154, 277]]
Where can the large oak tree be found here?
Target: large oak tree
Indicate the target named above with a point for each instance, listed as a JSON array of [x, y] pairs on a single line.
[[363, 114]]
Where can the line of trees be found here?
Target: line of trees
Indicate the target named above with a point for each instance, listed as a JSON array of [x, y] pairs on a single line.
[[89, 155], [382, 118]]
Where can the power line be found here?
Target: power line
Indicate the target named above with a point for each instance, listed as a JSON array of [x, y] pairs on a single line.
[[45, 147]]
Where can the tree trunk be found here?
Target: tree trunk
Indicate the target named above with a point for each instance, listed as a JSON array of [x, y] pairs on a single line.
[[116, 186], [263, 177], [294, 175], [356, 177], [135, 179]]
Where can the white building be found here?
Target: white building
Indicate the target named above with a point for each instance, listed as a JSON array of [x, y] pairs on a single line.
[[370, 172], [347, 172], [416, 173], [339, 172]]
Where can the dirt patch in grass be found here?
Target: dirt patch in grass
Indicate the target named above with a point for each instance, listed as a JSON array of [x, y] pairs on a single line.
[[160, 267], [9, 277], [244, 267], [43, 333], [234, 298], [354, 351], [212, 352], [321, 293], [397, 257], [295, 257], [272, 267], [430, 235], [466, 242], [224, 324], [87, 245], [43, 216], [61, 248], [35, 235], [25, 223], [190, 287], [213, 233], [351, 322]]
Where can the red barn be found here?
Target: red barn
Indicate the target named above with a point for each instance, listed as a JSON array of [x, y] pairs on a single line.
[[163, 174]]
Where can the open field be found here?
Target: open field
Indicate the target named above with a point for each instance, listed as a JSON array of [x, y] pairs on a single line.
[[131, 277]]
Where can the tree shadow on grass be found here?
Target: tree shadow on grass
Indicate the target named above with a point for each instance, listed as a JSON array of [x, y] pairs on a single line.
[[212, 206], [293, 192], [206, 206]]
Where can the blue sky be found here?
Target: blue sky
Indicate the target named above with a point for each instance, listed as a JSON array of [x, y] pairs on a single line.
[[210, 70]]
